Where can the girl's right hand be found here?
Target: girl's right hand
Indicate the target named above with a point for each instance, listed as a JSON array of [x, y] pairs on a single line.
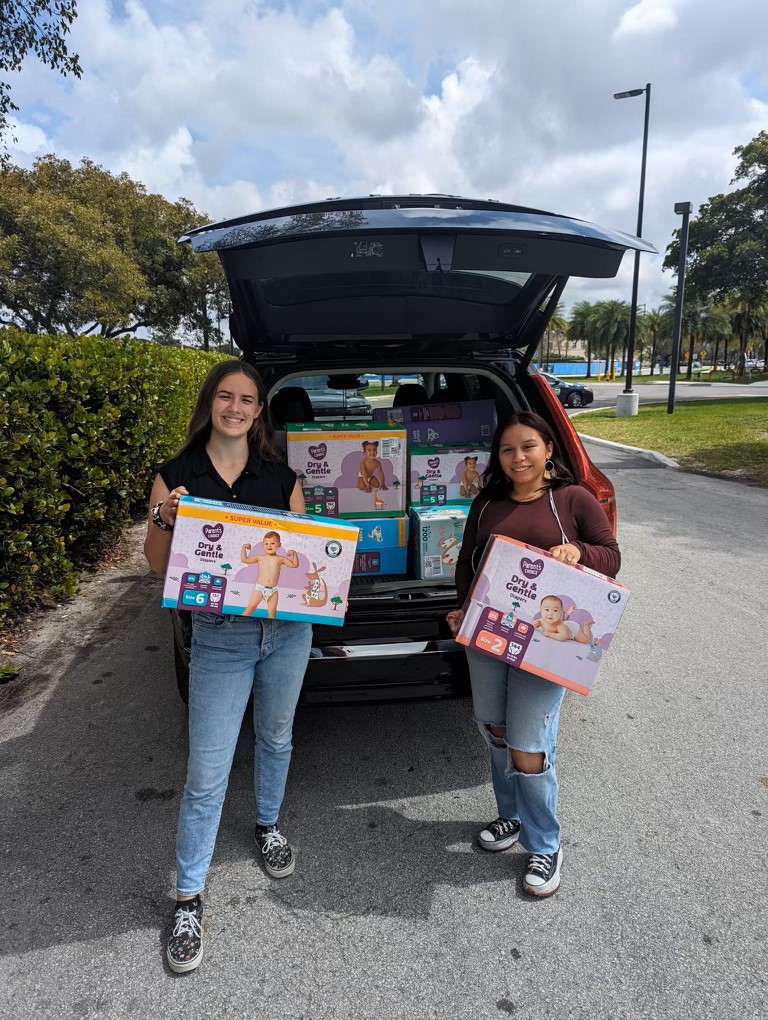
[[454, 620], [171, 504]]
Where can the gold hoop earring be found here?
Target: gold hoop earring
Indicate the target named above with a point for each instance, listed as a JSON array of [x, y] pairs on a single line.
[[549, 468]]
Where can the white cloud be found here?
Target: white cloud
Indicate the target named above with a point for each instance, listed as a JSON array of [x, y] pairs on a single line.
[[647, 18], [242, 105]]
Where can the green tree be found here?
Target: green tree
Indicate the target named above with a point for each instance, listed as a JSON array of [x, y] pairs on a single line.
[[583, 326], [654, 325], [39, 27], [728, 242], [86, 251]]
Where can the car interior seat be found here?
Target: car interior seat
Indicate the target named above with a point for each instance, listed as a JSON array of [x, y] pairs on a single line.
[[453, 390], [291, 403], [410, 393]]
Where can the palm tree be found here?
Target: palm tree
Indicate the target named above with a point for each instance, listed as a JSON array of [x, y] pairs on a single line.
[[655, 324], [582, 327], [612, 328], [559, 324]]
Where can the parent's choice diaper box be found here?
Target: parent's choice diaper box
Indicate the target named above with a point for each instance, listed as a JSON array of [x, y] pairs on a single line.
[[529, 610], [462, 421], [349, 469], [382, 547], [446, 473], [246, 561], [437, 533]]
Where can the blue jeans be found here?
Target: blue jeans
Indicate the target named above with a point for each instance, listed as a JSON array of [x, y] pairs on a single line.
[[529, 707], [232, 656]]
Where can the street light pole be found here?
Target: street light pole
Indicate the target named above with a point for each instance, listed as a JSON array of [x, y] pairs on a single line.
[[683, 209], [631, 408]]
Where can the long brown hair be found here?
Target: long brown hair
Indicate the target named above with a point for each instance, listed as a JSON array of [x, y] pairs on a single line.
[[261, 439]]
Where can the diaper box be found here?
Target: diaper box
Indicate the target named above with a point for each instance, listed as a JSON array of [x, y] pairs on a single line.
[[383, 545], [446, 473], [532, 611], [245, 561], [349, 469], [463, 421], [436, 537]]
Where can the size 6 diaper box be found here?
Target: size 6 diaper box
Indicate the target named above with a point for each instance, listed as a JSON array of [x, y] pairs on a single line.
[[462, 421], [529, 610], [349, 469], [446, 473], [437, 533], [245, 561], [382, 547]]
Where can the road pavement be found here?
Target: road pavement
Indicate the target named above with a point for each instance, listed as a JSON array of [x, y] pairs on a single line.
[[392, 912]]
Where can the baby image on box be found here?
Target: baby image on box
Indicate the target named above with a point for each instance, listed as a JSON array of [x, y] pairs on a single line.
[[370, 473], [554, 622], [265, 586], [470, 481]]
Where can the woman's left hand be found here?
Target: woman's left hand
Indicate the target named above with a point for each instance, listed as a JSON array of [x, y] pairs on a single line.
[[567, 553]]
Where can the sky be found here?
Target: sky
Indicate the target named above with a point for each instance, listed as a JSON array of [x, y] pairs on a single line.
[[243, 105]]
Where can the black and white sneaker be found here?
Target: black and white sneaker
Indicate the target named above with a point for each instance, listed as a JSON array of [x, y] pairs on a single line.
[[501, 834], [276, 855], [185, 944], [542, 876]]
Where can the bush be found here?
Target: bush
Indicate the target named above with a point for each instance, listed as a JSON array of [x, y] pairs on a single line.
[[84, 421]]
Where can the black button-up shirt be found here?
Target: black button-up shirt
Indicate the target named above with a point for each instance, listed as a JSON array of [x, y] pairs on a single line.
[[262, 482]]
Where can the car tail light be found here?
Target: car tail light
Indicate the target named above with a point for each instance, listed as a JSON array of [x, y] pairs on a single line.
[[587, 474]]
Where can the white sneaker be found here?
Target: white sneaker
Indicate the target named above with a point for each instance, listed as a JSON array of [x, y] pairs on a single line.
[[542, 876], [501, 834]]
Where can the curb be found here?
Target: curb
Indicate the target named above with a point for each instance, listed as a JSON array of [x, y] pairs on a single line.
[[648, 454]]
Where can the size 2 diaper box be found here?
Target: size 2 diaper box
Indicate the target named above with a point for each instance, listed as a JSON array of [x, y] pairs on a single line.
[[446, 473], [529, 610], [462, 421], [382, 547], [349, 469], [245, 561], [437, 533]]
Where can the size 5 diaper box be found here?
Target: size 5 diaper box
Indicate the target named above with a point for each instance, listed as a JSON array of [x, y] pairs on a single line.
[[446, 473], [382, 547], [227, 558], [349, 469], [529, 610], [437, 533], [462, 421]]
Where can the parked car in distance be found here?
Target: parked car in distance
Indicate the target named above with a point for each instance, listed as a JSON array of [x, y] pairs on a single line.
[[569, 394], [331, 402]]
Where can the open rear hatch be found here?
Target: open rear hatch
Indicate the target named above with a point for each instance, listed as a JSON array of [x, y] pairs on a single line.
[[403, 268]]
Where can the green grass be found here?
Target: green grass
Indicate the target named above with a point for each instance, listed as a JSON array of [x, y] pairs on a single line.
[[728, 438]]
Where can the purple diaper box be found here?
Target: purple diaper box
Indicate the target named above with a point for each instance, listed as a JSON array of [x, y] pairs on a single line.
[[463, 421]]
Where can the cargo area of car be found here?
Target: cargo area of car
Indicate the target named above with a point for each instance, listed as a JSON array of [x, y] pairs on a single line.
[[387, 604]]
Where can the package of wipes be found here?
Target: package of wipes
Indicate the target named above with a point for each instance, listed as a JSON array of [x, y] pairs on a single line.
[[436, 538], [461, 421], [349, 469], [446, 473], [383, 545], [529, 610], [244, 561]]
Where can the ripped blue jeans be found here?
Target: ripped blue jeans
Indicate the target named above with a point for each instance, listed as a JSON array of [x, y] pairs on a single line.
[[529, 707]]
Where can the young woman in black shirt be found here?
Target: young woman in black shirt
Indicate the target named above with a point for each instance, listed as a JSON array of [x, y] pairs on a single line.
[[229, 455]]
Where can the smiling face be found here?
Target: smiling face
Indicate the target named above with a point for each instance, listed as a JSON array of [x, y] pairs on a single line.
[[235, 405], [271, 544], [370, 450], [471, 463], [522, 455], [551, 610]]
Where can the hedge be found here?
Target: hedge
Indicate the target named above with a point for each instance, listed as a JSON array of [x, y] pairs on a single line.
[[84, 421]]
